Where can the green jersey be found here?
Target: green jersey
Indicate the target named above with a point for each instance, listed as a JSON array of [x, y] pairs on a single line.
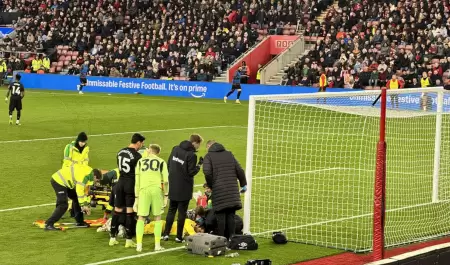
[[151, 172]]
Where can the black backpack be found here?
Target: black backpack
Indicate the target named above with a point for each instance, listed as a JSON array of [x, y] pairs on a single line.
[[242, 242], [279, 238]]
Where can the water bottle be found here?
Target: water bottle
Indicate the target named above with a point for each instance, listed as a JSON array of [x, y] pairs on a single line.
[[232, 255]]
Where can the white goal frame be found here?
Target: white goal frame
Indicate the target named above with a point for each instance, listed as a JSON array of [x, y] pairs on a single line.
[[439, 91]]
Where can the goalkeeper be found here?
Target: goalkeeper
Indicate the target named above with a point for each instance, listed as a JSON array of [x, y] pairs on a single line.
[[151, 171]]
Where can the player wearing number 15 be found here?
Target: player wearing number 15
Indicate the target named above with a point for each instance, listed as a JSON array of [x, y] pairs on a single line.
[[127, 159], [15, 103], [151, 172]]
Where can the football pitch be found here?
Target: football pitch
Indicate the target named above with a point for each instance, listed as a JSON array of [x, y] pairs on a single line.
[[32, 152], [313, 173]]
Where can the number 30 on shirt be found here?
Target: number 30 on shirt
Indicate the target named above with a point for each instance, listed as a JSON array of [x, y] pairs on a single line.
[[153, 165]]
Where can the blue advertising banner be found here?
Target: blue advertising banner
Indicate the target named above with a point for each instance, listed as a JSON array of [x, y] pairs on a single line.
[[210, 90], [188, 89]]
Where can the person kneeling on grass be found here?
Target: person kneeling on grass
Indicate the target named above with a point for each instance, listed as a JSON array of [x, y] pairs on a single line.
[[151, 171], [70, 183], [206, 222]]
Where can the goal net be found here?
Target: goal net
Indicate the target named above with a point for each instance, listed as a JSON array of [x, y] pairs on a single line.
[[311, 162]]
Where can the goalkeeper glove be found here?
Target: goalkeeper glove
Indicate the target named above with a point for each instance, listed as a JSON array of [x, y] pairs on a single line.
[[244, 189], [6, 99], [200, 161]]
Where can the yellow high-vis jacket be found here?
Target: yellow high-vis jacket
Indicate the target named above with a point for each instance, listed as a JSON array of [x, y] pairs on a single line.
[[77, 178], [3, 67], [73, 156], [36, 64], [46, 63]]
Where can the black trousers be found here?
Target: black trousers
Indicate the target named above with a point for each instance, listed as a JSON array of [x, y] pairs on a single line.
[[62, 196], [182, 207], [226, 222]]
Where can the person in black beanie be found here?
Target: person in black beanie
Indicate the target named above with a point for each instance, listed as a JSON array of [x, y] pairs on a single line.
[[77, 152]]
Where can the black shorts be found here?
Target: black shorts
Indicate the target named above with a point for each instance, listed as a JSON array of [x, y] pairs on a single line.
[[124, 193], [83, 80], [236, 86], [15, 103]]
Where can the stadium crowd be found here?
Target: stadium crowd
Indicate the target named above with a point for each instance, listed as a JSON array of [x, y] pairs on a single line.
[[364, 43], [193, 39]]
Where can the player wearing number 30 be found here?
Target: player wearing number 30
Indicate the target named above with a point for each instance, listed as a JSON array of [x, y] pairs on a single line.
[[151, 171], [17, 93]]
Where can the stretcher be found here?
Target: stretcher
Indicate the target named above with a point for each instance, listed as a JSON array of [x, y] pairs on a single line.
[[99, 195], [93, 223]]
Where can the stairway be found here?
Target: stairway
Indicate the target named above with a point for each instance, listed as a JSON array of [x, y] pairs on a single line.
[[322, 16], [276, 79], [222, 77]]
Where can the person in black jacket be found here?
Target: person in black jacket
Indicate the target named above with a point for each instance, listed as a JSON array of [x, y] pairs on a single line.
[[182, 166], [222, 171]]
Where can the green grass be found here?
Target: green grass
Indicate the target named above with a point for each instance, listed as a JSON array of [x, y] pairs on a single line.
[[26, 167]]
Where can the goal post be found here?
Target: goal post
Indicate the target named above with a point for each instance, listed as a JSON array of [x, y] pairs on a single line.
[[379, 197], [312, 160], [437, 145]]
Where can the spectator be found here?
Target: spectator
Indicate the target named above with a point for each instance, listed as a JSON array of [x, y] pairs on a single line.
[[258, 74], [425, 81], [221, 171], [396, 34], [202, 76], [394, 84], [245, 72], [414, 84], [46, 64], [323, 82], [373, 81]]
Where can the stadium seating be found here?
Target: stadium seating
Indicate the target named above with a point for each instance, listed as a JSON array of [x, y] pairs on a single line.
[[156, 33], [402, 37]]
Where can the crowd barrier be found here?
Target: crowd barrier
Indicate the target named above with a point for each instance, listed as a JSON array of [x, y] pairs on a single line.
[[151, 87]]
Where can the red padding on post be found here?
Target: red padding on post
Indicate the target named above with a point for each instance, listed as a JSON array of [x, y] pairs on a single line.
[[379, 202]]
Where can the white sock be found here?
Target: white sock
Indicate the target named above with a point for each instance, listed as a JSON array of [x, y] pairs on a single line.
[[17, 121], [10, 117]]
